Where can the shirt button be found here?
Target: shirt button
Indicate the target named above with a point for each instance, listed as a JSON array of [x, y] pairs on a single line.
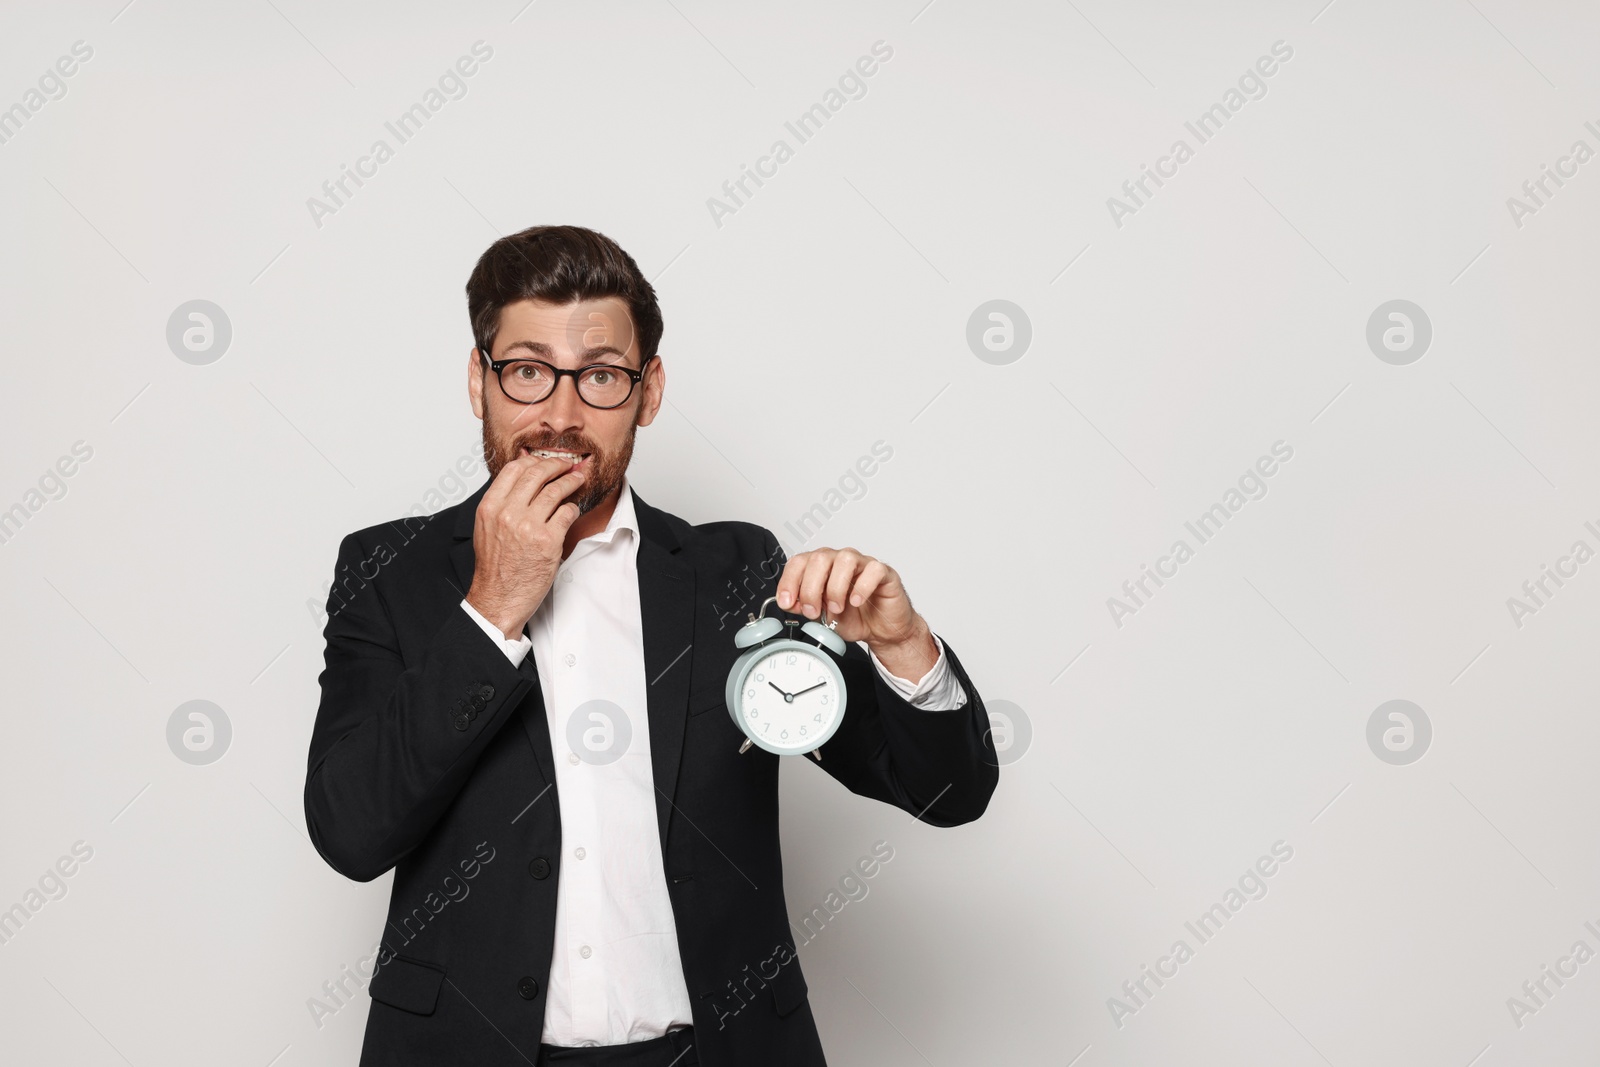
[[586, 952], [566, 576], [569, 659], [572, 758], [579, 852]]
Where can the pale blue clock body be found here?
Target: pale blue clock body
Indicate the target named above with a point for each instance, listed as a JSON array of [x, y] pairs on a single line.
[[787, 696]]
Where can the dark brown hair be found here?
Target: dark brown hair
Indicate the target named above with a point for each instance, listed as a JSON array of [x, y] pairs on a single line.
[[558, 265]]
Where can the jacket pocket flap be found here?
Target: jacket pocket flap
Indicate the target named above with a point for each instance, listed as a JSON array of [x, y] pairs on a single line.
[[408, 984], [707, 699], [788, 988]]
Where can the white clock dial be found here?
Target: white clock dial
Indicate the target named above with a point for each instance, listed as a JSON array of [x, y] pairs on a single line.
[[789, 698]]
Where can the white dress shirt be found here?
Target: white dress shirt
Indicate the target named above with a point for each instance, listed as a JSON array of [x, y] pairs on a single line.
[[615, 972]]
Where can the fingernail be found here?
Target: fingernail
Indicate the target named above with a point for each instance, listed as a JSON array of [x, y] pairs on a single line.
[[855, 601], [833, 606], [810, 609], [784, 599]]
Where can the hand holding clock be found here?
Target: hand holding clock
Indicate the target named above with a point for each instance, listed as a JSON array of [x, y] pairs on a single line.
[[865, 597]]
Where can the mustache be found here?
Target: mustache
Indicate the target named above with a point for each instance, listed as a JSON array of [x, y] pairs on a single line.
[[565, 443]]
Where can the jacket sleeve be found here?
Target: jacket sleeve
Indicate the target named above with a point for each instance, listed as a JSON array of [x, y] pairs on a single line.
[[938, 765], [394, 741]]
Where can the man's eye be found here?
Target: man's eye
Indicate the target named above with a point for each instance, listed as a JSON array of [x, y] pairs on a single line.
[[603, 377], [528, 372]]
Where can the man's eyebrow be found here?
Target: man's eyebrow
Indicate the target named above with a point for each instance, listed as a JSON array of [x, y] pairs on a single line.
[[543, 351], [538, 348]]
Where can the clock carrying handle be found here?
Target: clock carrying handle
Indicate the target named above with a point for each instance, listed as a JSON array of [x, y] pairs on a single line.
[[825, 633], [832, 624]]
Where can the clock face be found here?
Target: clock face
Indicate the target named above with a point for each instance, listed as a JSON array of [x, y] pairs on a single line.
[[790, 698]]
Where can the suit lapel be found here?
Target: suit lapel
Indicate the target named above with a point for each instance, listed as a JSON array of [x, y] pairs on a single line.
[[666, 610], [666, 616]]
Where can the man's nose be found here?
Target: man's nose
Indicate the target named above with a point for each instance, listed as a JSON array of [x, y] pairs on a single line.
[[563, 408]]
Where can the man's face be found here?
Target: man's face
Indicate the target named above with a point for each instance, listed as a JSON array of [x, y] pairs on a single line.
[[574, 335]]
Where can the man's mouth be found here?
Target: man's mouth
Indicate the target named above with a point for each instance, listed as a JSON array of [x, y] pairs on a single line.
[[577, 459]]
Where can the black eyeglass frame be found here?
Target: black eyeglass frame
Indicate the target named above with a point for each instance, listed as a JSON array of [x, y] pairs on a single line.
[[498, 366]]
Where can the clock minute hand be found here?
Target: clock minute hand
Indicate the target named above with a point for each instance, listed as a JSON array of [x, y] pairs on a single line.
[[808, 688]]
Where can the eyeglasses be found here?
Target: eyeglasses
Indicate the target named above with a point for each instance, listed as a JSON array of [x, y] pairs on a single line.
[[600, 385]]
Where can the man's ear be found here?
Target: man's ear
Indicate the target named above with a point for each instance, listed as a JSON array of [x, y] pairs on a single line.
[[655, 387], [475, 382]]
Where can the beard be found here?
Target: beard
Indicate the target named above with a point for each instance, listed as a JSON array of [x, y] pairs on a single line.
[[602, 476]]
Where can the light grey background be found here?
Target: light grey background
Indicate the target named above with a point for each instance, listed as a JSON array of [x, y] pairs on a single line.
[[829, 312]]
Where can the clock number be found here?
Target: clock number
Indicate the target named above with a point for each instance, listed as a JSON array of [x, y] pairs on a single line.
[[789, 660], [817, 717], [765, 727], [784, 735], [749, 694], [802, 731], [753, 714], [824, 700], [761, 677]]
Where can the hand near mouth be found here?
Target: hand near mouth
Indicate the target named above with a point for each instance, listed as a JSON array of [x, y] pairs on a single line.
[[518, 536]]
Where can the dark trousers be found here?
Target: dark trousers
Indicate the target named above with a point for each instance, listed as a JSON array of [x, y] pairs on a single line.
[[675, 1048]]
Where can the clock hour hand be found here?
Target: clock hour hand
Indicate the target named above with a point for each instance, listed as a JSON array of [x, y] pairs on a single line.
[[788, 698]]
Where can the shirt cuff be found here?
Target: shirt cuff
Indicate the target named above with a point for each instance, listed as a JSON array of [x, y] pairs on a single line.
[[938, 690], [515, 651]]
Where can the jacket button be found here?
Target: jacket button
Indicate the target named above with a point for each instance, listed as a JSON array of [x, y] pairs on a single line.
[[527, 987], [486, 691], [461, 722], [539, 867]]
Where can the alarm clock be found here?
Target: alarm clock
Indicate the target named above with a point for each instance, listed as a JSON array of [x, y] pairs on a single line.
[[785, 695]]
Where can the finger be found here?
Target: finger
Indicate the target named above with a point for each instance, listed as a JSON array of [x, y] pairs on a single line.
[[789, 582], [525, 476], [549, 499], [868, 582], [564, 517], [846, 565], [813, 581], [540, 474], [501, 488]]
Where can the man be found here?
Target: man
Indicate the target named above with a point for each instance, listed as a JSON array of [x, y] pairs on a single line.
[[523, 715]]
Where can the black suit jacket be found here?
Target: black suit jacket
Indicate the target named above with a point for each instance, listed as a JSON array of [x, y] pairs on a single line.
[[431, 755]]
